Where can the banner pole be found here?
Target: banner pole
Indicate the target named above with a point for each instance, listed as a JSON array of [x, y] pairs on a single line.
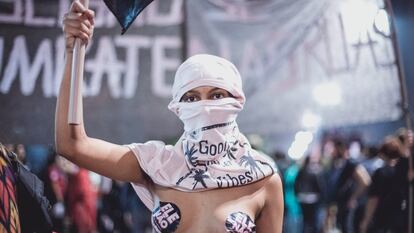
[[404, 104], [184, 32], [76, 80]]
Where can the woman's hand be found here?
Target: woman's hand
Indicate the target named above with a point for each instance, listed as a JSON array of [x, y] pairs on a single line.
[[77, 23]]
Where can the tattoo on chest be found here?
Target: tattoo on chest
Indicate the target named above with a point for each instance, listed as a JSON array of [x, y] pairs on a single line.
[[240, 222], [166, 217]]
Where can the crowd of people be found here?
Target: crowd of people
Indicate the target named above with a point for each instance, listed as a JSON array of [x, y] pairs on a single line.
[[337, 190], [329, 190], [82, 201]]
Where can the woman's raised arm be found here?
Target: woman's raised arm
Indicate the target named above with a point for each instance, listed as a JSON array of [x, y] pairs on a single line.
[[108, 159]]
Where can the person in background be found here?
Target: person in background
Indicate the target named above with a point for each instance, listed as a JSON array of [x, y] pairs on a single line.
[[36, 157], [372, 161], [406, 138], [282, 161], [293, 222], [82, 201], [310, 190], [136, 216], [20, 151], [56, 182], [383, 211], [346, 182], [404, 176], [111, 211]]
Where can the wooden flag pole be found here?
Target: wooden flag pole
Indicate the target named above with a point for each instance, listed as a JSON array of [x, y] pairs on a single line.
[[404, 104], [75, 98]]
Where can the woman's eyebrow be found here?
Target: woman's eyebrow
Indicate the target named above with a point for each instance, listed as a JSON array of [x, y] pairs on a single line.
[[220, 89], [192, 92], [217, 89]]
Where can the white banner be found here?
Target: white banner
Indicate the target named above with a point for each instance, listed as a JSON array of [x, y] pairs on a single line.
[[304, 63]]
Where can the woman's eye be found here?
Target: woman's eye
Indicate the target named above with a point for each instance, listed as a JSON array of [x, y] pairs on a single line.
[[218, 96], [190, 99]]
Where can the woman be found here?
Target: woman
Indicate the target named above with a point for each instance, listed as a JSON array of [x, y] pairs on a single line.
[[211, 180]]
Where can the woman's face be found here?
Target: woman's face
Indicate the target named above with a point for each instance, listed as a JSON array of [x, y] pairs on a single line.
[[204, 93]]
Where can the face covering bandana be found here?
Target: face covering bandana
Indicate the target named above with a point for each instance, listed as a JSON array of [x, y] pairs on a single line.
[[211, 153], [208, 125]]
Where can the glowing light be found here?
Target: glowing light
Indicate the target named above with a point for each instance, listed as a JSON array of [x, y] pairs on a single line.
[[382, 22], [295, 153], [300, 145], [358, 17], [310, 120], [304, 136], [327, 94]]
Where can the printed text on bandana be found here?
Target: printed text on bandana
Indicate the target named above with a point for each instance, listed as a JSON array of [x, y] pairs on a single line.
[[232, 181]]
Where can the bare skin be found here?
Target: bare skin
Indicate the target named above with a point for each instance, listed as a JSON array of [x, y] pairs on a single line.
[[200, 212], [204, 93]]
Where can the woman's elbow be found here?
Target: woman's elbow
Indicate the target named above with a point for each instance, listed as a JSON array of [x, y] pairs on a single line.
[[63, 149], [68, 147]]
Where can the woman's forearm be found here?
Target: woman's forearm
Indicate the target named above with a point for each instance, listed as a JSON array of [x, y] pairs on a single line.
[[67, 135]]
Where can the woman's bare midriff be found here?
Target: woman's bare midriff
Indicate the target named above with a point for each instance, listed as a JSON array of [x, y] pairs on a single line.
[[207, 211]]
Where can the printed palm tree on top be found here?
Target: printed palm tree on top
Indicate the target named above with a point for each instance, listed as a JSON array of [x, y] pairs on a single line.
[[232, 150], [189, 154], [250, 162], [199, 177]]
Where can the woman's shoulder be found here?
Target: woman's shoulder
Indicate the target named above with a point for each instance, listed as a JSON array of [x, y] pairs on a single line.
[[273, 183]]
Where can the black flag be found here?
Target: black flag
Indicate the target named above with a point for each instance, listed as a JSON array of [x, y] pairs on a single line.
[[126, 10]]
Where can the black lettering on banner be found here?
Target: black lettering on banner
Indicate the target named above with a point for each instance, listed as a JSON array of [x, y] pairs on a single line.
[[166, 217]]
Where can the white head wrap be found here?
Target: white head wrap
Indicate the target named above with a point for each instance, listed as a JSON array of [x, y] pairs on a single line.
[[206, 70]]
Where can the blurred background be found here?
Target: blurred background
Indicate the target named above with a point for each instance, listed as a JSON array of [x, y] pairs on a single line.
[[313, 71]]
